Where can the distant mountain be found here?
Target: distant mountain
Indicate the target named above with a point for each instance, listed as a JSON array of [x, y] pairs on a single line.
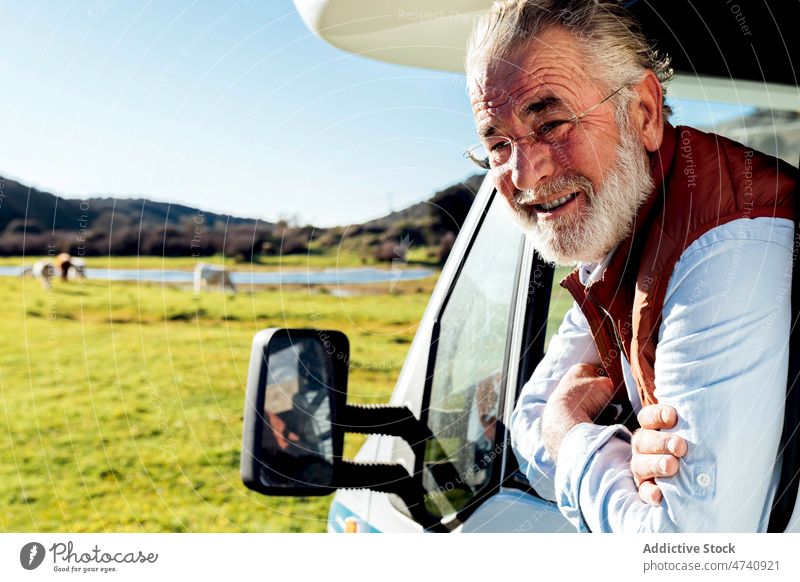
[[759, 132], [34, 222], [42, 209], [445, 210], [48, 211]]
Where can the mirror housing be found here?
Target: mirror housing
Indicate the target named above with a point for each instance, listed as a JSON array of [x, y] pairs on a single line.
[[296, 415], [296, 384]]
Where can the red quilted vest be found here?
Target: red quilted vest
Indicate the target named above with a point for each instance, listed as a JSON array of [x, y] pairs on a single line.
[[702, 181]]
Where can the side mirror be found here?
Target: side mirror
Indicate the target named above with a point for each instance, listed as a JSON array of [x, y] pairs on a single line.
[[296, 383], [296, 415]]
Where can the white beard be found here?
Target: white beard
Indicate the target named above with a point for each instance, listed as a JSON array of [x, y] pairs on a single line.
[[603, 219]]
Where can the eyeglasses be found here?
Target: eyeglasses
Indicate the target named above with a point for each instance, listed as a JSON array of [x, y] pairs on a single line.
[[552, 129]]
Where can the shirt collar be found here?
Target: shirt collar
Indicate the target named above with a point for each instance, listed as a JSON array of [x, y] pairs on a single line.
[[591, 273]]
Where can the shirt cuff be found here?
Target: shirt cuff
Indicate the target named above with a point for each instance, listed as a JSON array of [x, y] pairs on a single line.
[[579, 445]]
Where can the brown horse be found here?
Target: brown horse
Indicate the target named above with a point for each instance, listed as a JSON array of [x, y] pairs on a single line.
[[63, 263]]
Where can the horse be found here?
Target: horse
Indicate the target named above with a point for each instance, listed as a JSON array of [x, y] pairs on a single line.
[[77, 268], [63, 264], [207, 275], [44, 270]]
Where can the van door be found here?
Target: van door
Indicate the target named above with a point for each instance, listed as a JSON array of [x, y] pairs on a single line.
[[480, 338], [539, 308], [468, 369], [489, 335], [473, 350]]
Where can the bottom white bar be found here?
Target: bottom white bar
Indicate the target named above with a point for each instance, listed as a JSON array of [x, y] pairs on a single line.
[[354, 558]]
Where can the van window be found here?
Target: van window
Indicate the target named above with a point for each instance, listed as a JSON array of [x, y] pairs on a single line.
[[469, 368], [560, 302]]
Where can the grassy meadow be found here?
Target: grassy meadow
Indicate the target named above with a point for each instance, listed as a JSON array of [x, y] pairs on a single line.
[[122, 401]]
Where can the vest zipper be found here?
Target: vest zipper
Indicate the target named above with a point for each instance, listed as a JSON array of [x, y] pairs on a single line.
[[620, 345], [578, 291], [631, 420]]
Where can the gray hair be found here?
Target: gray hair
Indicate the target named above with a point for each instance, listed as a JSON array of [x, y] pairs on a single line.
[[615, 48]]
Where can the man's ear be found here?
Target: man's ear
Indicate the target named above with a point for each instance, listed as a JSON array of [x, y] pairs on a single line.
[[647, 114]]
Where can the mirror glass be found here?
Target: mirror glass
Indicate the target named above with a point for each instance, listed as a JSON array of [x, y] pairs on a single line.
[[296, 438]]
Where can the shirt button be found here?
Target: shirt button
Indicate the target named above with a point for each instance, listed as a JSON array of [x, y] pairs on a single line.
[[703, 480]]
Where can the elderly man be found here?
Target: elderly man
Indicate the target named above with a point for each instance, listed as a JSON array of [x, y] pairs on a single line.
[[683, 242]]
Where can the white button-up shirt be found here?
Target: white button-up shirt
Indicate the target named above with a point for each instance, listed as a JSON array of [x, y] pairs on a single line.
[[721, 361]]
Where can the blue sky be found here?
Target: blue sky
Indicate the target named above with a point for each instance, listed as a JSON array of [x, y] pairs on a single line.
[[231, 107]]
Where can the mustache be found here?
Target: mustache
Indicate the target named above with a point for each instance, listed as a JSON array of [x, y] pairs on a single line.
[[567, 183]]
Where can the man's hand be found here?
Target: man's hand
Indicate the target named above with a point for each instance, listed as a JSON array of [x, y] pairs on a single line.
[[579, 397], [655, 454]]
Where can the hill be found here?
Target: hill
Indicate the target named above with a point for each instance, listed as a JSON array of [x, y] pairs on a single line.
[[757, 130], [446, 209], [34, 222], [46, 211]]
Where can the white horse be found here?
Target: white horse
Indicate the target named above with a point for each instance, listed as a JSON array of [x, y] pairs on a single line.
[[208, 275], [44, 270], [77, 269]]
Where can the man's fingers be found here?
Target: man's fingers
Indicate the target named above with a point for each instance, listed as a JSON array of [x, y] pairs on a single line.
[[653, 442], [650, 493], [646, 467], [658, 416]]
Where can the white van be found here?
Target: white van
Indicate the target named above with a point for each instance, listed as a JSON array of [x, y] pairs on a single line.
[[448, 466]]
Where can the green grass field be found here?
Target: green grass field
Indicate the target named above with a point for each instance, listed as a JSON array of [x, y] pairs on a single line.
[[122, 402]]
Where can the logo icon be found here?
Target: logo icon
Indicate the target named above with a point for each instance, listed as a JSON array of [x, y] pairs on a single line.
[[31, 555]]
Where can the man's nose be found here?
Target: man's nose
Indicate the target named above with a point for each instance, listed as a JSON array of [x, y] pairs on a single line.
[[530, 163]]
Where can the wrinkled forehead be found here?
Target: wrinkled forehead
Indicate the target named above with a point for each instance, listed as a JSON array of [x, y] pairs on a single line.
[[553, 65], [502, 86]]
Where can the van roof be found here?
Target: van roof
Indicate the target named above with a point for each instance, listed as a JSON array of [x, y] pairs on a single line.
[[739, 51]]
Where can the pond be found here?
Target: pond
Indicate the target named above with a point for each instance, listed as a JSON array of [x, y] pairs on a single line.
[[284, 277]]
